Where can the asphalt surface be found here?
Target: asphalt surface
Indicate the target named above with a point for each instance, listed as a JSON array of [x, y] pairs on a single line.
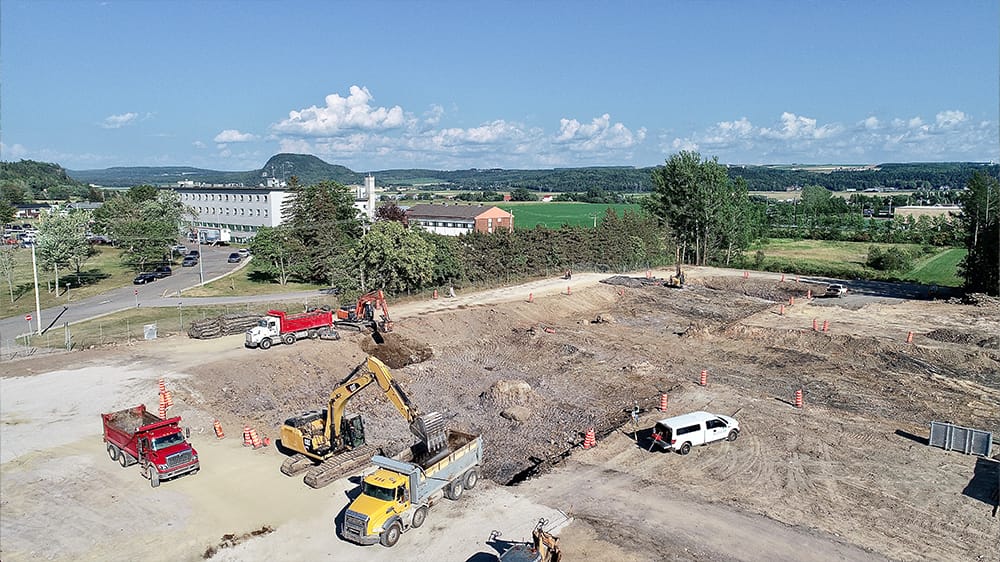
[[164, 292]]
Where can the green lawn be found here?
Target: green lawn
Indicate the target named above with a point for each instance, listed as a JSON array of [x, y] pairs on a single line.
[[939, 269], [847, 260], [554, 215], [100, 273]]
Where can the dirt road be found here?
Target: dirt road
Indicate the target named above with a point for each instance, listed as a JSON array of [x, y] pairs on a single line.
[[845, 478]]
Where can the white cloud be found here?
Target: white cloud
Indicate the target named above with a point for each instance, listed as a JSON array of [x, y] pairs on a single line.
[[351, 113], [950, 118], [119, 121], [198, 144], [798, 127], [599, 134], [233, 135], [12, 152], [953, 135]]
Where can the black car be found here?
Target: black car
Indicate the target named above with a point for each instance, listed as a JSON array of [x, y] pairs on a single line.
[[163, 271], [143, 278], [189, 261], [193, 254], [235, 258]]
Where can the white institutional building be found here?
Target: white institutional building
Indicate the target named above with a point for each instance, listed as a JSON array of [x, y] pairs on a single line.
[[242, 210]]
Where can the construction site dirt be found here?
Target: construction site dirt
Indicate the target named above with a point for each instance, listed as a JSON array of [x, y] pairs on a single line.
[[848, 476]]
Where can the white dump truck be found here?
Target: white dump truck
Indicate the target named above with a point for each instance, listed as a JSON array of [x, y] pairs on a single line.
[[397, 495]]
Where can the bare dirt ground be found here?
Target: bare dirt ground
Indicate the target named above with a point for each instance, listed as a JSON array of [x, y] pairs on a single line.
[[848, 477]]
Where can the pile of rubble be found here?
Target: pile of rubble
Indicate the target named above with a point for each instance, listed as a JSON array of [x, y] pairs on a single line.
[[224, 325]]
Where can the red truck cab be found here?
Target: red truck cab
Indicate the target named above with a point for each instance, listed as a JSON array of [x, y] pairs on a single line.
[[136, 436]]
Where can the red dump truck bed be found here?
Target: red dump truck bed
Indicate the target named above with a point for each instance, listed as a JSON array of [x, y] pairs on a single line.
[[304, 320], [136, 436]]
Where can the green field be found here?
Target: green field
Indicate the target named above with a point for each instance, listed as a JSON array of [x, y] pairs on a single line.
[[554, 215], [847, 260]]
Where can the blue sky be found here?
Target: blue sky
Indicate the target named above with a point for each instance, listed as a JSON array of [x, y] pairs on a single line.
[[451, 85]]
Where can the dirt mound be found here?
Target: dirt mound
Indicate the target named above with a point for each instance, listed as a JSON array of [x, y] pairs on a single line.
[[952, 336], [774, 291], [397, 351]]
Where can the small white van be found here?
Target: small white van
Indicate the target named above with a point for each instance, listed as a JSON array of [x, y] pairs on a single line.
[[680, 433]]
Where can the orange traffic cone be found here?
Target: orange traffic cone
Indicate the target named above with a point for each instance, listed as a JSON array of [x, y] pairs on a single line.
[[826, 325], [255, 439], [798, 398], [814, 325], [168, 398], [247, 441], [162, 385], [809, 293], [663, 402], [703, 381], [531, 297], [909, 337], [218, 430], [435, 293], [163, 411], [590, 440], [569, 290]]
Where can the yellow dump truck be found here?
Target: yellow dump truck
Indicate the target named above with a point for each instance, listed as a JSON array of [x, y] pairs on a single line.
[[397, 495]]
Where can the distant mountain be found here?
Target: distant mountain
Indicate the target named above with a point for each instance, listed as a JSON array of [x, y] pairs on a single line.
[[27, 180], [310, 169]]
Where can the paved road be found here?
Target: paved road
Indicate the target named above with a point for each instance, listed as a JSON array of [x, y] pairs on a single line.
[[162, 292]]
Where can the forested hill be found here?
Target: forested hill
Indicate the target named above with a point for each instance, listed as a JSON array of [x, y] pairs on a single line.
[[27, 180], [310, 169]]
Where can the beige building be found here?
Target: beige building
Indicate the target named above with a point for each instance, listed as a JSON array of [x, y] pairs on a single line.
[[916, 211], [452, 220]]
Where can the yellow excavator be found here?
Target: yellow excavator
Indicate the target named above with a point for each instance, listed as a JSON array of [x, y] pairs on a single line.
[[330, 445]]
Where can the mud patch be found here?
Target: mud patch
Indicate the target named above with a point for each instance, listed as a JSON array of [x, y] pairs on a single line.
[[397, 351], [231, 539]]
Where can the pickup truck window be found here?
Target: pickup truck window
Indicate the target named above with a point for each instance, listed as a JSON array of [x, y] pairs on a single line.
[[715, 424], [378, 492], [167, 441]]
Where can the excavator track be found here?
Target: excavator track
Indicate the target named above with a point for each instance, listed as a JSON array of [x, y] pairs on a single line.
[[340, 465], [295, 464]]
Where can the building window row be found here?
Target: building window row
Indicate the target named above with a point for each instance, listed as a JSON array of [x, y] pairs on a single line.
[[224, 197], [232, 211]]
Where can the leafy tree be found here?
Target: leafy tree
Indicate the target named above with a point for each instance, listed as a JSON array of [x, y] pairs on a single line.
[[522, 194], [7, 263], [62, 242], [143, 222], [322, 217], [7, 211], [12, 193], [390, 212], [892, 258], [700, 204], [981, 216], [447, 257], [278, 255], [394, 258]]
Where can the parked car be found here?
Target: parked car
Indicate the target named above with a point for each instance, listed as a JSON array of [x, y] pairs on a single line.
[[189, 261], [235, 258], [194, 254], [143, 278], [244, 252], [680, 433], [179, 249], [163, 271], [836, 290]]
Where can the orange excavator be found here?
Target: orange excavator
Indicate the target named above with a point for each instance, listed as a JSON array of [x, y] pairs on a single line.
[[361, 316]]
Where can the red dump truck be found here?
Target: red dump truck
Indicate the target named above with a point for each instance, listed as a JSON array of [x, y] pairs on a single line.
[[136, 436], [281, 327]]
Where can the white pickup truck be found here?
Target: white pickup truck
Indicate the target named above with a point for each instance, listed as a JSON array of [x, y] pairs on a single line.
[[836, 290]]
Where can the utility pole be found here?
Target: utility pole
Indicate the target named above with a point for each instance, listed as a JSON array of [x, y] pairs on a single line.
[[38, 305]]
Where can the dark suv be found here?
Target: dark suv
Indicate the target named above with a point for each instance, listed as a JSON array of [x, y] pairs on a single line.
[[163, 271]]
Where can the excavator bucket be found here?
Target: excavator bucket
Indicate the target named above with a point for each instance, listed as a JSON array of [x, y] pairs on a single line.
[[430, 429]]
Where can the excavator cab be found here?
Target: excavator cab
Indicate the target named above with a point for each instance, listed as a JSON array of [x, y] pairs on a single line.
[[352, 430]]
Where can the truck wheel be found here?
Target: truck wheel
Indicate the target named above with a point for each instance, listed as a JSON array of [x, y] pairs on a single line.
[[112, 452], [419, 516], [154, 477], [313, 334], [456, 490], [123, 459], [288, 339], [733, 435], [265, 343], [390, 536], [471, 478], [685, 449]]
